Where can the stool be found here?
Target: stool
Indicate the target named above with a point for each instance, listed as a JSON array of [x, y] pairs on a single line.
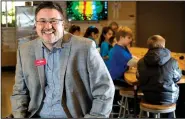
[[156, 109], [118, 87], [126, 93], [114, 113]]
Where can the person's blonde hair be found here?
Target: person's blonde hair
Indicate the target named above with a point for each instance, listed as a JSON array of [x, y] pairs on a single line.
[[156, 41], [123, 31]]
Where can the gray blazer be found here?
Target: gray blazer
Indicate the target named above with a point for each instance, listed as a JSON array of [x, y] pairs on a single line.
[[89, 89]]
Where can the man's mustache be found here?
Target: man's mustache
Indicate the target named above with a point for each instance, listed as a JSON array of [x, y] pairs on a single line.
[[48, 30]]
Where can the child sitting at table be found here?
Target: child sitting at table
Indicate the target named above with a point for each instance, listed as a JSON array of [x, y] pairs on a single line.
[[120, 57], [92, 33], [75, 30], [158, 74], [105, 44], [119, 61]]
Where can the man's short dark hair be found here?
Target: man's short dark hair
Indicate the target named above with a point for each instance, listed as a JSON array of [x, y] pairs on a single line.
[[49, 5]]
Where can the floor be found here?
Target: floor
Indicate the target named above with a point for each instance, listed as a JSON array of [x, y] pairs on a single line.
[[7, 82]]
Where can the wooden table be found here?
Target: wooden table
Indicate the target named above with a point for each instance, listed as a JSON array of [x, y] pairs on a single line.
[[130, 77]]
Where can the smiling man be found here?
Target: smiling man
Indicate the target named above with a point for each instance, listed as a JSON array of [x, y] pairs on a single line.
[[59, 75]]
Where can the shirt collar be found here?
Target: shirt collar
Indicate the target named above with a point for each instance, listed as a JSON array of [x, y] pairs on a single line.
[[57, 45]]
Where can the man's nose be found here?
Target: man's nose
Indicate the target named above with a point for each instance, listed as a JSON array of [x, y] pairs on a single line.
[[48, 25]]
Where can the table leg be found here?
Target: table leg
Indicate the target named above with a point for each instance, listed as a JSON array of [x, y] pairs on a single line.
[[135, 100]]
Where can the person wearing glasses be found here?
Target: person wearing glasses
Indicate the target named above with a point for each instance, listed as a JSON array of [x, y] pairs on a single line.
[[60, 75]]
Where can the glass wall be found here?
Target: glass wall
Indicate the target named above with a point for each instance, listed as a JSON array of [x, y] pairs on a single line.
[[8, 12]]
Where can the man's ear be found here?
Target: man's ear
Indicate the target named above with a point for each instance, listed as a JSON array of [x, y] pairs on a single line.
[[65, 25], [34, 27]]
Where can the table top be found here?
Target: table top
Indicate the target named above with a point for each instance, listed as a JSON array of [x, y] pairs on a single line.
[[130, 75]]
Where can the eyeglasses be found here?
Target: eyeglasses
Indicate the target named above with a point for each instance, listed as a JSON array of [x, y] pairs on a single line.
[[51, 21]]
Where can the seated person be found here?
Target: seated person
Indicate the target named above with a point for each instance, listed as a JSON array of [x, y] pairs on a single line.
[[119, 61], [114, 26], [120, 57], [92, 33], [75, 30], [158, 73], [105, 44]]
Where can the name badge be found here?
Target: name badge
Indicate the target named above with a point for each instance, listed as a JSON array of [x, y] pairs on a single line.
[[40, 62]]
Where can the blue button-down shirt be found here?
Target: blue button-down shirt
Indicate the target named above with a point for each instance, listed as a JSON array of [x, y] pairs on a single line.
[[52, 107]]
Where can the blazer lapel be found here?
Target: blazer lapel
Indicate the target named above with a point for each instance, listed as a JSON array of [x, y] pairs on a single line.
[[39, 55], [66, 48]]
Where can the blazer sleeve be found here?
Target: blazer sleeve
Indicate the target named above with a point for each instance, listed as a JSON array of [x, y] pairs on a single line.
[[20, 96], [101, 85]]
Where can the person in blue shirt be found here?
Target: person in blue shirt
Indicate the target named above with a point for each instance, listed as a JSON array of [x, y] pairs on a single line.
[[92, 33], [120, 57], [105, 43], [119, 61]]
